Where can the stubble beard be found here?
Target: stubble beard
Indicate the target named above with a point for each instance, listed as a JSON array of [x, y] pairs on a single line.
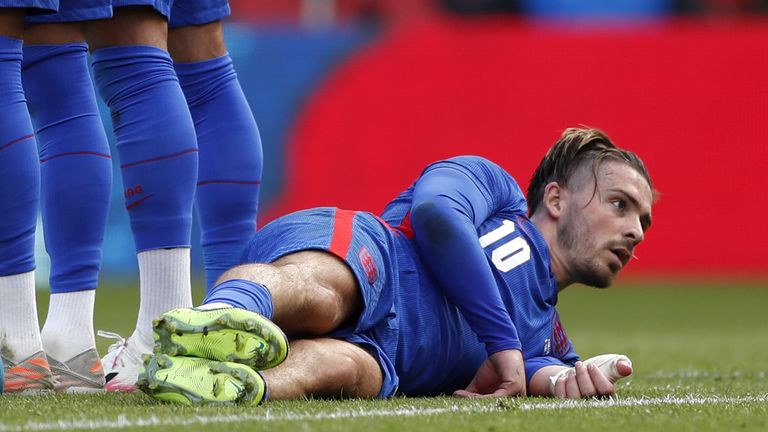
[[585, 267]]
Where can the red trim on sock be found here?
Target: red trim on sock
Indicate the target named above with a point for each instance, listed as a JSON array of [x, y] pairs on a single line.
[[137, 202], [159, 158], [105, 156], [15, 141]]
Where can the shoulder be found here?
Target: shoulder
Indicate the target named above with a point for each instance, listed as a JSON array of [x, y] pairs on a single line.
[[469, 162], [475, 167]]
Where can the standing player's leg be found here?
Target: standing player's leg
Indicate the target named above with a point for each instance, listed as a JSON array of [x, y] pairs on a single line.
[[76, 174], [158, 154], [25, 365], [230, 147]]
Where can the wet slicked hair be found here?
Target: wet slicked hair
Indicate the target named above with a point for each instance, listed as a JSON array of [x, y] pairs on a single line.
[[576, 147]]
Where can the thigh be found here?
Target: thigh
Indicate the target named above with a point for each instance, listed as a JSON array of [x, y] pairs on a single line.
[[356, 239], [323, 269], [312, 292]]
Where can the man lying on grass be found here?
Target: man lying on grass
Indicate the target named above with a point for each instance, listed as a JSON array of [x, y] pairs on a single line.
[[451, 290]]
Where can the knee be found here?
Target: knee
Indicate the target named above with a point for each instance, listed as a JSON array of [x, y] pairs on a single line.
[[138, 25], [59, 33], [329, 307], [350, 371], [359, 372], [197, 43]]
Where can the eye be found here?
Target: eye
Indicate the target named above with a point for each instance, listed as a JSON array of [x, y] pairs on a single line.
[[620, 204]]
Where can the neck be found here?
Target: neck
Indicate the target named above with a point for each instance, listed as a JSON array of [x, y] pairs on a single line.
[[558, 264]]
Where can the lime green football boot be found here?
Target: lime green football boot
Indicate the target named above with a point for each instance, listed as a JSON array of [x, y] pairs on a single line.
[[228, 334], [196, 381]]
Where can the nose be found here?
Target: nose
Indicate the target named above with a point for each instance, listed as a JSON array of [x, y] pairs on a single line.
[[634, 230]]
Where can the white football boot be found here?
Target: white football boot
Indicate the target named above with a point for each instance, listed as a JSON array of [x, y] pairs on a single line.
[[122, 363]]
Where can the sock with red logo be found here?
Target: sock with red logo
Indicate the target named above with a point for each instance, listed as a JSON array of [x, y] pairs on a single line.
[[230, 161], [158, 155], [155, 139]]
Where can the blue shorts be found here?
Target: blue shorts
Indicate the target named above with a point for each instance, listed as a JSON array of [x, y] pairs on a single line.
[[366, 245], [179, 12], [183, 12], [75, 10], [33, 7]]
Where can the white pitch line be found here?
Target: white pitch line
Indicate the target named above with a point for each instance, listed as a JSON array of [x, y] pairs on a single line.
[[635, 402], [123, 422]]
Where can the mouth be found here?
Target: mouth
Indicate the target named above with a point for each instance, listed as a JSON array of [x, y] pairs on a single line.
[[622, 254]]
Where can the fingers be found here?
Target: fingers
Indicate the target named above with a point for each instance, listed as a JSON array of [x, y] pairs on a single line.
[[603, 386], [560, 388], [614, 366], [572, 387], [584, 380], [465, 394]]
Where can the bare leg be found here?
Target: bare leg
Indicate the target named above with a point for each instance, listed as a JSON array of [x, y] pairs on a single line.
[[129, 26], [324, 367], [196, 43], [56, 34], [313, 292], [11, 22]]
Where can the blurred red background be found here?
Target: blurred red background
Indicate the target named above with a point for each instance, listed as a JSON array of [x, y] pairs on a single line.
[[690, 97]]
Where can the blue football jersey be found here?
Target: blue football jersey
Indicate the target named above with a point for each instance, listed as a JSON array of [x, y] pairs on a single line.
[[438, 348]]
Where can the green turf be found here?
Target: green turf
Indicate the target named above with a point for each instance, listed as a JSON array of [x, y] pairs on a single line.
[[700, 357]]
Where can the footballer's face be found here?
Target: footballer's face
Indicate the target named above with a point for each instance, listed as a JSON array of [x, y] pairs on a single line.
[[600, 227]]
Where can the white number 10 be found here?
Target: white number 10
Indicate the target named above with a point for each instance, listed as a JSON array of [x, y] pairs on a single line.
[[509, 254]]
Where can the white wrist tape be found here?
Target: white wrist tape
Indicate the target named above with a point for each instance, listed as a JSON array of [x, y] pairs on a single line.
[[605, 362]]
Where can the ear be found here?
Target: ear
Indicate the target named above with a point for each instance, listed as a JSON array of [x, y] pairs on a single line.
[[554, 199]]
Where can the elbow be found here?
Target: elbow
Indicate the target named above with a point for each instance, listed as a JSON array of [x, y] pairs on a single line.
[[433, 222]]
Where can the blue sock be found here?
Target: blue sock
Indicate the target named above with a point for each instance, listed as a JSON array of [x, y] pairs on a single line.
[[230, 161], [76, 166], [242, 294], [155, 140], [19, 167]]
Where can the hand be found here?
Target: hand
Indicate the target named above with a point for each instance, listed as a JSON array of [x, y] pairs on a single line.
[[502, 374], [594, 377]]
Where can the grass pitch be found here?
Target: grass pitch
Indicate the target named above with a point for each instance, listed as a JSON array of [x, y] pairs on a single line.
[[700, 355]]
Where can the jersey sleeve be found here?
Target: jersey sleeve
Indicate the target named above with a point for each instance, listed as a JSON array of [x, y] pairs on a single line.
[[533, 364], [450, 200]]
